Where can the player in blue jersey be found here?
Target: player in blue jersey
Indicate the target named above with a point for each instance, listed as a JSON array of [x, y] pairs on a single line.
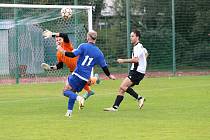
[[89, 56]]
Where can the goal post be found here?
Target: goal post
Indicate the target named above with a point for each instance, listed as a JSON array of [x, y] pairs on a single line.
[[23, 48], [88, 8]]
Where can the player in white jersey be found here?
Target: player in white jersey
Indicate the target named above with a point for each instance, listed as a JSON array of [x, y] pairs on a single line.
[[136, 73]]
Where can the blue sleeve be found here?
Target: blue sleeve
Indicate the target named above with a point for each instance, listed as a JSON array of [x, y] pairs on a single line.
[[101, 61], [78, 51]]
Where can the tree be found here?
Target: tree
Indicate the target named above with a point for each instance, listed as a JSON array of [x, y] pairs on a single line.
[[98, 5]]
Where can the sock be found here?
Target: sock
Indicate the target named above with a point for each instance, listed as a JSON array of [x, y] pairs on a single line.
[[71, 104], [91, 92], [70, 94], [78, 98], [117, 102], [69, 111], [132, 93], [139, 97], [87, 88], [72, 97]]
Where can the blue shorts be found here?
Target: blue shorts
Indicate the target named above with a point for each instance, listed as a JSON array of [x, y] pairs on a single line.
[[76, 83]]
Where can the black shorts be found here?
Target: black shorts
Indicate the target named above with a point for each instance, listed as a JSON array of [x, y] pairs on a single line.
[[135, 77]]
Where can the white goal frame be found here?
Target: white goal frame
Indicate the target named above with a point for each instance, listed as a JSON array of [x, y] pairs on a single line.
[[88, 8]]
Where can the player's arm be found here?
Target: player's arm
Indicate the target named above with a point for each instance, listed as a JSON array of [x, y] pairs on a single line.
[[135, 59], [48, 34], [64, 52], [45, 66], [106, 71], [102, 63], [73, 54], [131, 60], [146, 54], [70, 54], [59, 65]]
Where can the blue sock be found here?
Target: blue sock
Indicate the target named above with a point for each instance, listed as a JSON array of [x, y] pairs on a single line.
[[70, 94], [72, 98], [71, 104]]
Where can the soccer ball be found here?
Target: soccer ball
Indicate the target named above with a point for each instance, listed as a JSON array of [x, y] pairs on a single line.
[[66, 12]]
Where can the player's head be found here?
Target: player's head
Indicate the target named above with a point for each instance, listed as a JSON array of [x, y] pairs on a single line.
[[59, 40], [92, 36], [135, 36]]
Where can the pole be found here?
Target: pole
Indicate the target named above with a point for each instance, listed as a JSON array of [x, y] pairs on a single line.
[[173, 38], [128, 19], [75, 24], [17, 71]]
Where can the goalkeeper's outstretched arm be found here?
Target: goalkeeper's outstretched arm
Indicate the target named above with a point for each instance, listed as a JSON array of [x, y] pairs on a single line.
[[59, 65], [48, 34], [45, 66]]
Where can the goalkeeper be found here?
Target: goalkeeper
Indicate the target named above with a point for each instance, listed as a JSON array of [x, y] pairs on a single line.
[[63, 41]]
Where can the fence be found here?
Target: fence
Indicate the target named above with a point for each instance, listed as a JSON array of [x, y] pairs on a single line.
[[174, 33]]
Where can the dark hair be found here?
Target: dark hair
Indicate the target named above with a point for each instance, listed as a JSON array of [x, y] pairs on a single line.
[[137, 32]]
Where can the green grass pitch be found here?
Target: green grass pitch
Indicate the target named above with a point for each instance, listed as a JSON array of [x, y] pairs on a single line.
[[177, 108]]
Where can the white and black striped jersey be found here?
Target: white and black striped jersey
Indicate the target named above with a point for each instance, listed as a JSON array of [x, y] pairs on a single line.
[[140, 52]]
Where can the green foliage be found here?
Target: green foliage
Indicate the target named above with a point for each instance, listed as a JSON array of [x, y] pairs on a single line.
[[158, 43], [98, 6], [192, 24], [109, 41]]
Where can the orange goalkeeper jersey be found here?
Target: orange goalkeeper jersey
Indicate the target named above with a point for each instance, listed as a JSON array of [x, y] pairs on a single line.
[[71, 63]]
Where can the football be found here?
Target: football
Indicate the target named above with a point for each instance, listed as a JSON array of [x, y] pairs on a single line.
[[66, 12]]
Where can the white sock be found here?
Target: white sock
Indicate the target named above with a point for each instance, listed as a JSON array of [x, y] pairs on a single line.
[[69, 111], [139, 97], [79, 98]]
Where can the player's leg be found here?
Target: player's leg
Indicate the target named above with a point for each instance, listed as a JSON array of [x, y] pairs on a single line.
[[72, 98], [77, 85], [92, 81], [95, 79], [70, 90], [135, 78], [139, 98], [126, 82], [88, 93]]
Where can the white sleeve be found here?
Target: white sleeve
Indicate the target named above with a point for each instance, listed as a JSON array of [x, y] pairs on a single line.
[[145, 50], [137, 51]]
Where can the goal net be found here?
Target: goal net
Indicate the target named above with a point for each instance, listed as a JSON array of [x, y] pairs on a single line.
[[22, 46]]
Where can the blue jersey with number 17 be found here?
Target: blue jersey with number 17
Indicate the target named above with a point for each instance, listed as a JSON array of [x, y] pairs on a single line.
[[89, 56]]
